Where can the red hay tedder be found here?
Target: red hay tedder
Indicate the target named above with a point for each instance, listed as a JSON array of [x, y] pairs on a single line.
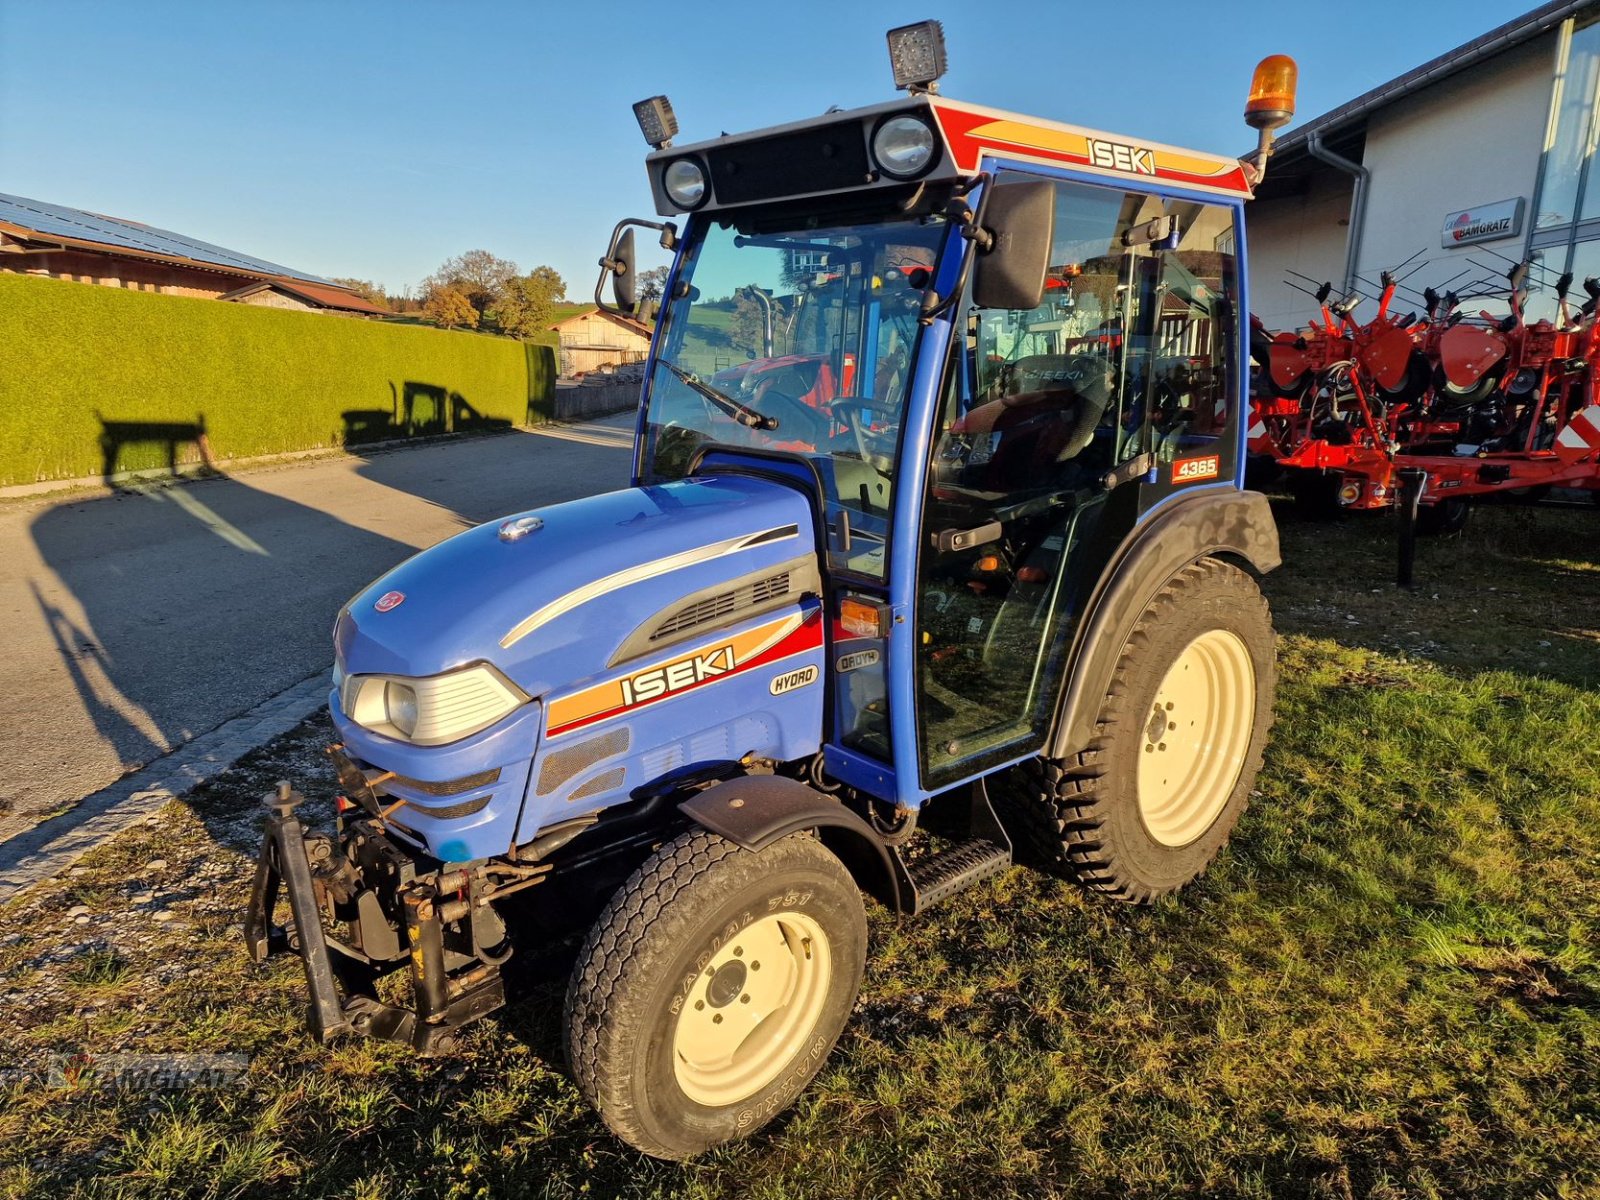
[[1430, 414]]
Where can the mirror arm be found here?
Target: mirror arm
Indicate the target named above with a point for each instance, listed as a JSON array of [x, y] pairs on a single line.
[[611, 265], [972, 229]]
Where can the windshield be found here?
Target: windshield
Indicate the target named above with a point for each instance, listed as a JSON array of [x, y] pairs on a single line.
[[798, 341]]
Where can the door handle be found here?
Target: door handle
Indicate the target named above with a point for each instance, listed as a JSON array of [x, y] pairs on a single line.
[[946, 541], [1136, 466]]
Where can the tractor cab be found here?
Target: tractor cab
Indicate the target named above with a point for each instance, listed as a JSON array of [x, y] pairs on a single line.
[[935, 539], [985, 349]]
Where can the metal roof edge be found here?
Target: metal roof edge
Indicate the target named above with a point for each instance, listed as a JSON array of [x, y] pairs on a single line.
[[63, 242]]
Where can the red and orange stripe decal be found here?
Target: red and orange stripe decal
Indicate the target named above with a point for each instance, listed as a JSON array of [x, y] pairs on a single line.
[[972, 132], [708, 663]]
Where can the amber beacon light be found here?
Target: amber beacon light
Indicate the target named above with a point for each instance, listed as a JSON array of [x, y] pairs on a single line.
[[1271, 105], [1271, 101]]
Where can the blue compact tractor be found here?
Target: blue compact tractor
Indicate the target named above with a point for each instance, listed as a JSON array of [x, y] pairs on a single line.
[[936, 542]]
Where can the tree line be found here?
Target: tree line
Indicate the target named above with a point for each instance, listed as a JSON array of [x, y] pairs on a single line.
[[479, 290]]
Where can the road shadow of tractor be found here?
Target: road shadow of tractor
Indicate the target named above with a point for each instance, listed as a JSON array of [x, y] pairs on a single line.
[[417, 409]]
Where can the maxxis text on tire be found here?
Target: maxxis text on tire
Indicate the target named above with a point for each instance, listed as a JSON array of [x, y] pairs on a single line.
[[667, 956], [1083, 818]]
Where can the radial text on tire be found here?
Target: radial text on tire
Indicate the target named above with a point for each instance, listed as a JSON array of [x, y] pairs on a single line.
[[712, 988], [1147, 807]]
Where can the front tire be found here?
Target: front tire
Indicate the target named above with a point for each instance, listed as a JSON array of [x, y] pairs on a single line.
[[712, 988], [1151, 802]]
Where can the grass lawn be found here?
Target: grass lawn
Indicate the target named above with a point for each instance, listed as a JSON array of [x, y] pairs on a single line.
[[1387, 987]]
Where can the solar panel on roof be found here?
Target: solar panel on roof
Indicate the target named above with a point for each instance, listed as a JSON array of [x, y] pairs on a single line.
[[47, 219]]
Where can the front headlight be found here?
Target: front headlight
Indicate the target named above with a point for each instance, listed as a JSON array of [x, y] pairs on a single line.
[[685, 182], [431, 711], [904, 147]]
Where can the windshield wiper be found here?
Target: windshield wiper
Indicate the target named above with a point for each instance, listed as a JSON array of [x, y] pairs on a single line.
[[741, 413]]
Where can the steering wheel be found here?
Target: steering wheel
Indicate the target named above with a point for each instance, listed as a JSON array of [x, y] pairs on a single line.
[[795, 418], [854, 411]]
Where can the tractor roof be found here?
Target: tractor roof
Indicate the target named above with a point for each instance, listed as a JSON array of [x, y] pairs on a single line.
[[831, 155]]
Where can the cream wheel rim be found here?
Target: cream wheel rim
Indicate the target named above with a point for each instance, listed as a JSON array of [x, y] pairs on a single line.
[[752, 1009], [1195, 735]]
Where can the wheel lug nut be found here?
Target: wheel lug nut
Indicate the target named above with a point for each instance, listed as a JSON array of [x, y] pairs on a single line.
[[1169, 705], [745, 999], [699, 1004], [1172, 725], [755, 966], [716, 1019], [1163, 746], [738, 951]]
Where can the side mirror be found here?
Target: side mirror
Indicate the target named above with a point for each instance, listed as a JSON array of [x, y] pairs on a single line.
[[625, 274], [1021, 217], [620, 264]]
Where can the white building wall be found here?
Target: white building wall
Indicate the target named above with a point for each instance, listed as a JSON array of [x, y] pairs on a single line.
[[1304, 233], [1471, 140]]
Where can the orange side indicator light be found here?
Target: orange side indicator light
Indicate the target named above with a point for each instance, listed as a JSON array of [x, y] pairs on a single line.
[[862, 617]]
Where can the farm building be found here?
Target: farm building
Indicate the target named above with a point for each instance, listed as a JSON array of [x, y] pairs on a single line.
[[1459, 168], [595, 339], [37, 238]]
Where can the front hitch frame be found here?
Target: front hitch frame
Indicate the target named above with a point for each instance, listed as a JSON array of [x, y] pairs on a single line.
[[342, 993]]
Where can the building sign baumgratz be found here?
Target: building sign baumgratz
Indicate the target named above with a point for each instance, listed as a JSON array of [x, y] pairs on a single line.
[[1485, 223]]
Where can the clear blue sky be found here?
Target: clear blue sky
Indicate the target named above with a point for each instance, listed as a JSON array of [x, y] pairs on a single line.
[[375, 140]]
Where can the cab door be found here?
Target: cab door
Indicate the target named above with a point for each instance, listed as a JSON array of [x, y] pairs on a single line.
[[1057, 428]]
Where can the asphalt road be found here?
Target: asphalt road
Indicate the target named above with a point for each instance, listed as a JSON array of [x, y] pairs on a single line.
[[131, 623]]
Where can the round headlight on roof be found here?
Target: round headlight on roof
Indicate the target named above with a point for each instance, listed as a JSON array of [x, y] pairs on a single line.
[[685, 182], [904, 146]]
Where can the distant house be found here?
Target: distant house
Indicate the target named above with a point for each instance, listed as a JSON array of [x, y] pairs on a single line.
[[37, 238], [594, 339]]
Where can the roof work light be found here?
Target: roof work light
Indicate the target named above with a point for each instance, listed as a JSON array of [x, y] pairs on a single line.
[[916, 52], [656, 121]]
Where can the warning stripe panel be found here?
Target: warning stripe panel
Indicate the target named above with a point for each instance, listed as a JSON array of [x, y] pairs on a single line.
[[1581, 436]]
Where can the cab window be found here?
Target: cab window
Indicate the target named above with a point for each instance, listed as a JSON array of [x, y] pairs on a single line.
[[1052, 421]]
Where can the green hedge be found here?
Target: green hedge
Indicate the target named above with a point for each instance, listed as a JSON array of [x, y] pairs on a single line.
[[98, 379]]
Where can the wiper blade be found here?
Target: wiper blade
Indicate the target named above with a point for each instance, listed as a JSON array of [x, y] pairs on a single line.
[[741, 413]]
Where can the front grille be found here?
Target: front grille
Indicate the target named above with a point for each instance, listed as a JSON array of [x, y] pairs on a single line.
[[449, 812], [606, 781], [450, 787], [561, 765]]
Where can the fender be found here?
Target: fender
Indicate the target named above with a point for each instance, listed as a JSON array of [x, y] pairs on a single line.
[[757, 810], [1235, 523]]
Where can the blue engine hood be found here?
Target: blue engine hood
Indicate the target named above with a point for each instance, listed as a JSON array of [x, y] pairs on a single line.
[[591, 575]]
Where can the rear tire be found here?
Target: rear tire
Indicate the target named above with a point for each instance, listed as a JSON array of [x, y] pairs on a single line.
[[1144, 811], [712, 988], [1448, 395], [1443, 519], [1316, 494], [1413, 384]]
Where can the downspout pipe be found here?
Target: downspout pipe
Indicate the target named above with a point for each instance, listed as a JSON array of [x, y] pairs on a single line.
[[1358, 203]]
